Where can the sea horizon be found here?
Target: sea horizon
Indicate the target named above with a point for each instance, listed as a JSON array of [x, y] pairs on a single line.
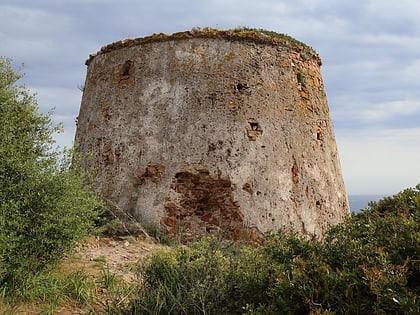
[[360, 202]]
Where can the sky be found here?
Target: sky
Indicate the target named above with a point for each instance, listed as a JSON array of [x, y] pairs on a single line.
[[370, 51]]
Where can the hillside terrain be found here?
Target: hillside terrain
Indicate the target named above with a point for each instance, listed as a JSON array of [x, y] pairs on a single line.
[[94, 257]]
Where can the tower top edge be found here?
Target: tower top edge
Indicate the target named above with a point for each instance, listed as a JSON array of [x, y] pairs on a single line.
[[259, 36]]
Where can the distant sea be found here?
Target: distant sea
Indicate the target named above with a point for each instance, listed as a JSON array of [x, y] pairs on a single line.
[[359, 202]]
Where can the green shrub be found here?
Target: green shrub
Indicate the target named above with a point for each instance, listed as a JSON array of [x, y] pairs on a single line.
[[380, 248], [45, 201], [367, 265], [48, 290], [186, 280]]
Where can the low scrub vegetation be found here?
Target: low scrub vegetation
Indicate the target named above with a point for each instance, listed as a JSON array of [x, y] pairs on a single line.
[[367, 265]]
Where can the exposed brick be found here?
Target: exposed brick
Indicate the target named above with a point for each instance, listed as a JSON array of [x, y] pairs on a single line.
[[213, 130]]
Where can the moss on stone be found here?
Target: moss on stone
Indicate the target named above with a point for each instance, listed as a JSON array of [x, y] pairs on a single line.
[[241, 33], [276, 35]]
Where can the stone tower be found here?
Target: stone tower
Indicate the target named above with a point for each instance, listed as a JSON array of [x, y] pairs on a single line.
[[212, 131]]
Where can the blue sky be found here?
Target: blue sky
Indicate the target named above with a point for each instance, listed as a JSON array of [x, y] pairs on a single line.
[[370, 51]]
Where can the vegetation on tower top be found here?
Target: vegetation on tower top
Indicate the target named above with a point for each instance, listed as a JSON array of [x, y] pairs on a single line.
[[240, 33]]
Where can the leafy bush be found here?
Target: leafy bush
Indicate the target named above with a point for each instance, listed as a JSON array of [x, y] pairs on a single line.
[[45, 201], [367, 265], [380, 247], [186, 280]]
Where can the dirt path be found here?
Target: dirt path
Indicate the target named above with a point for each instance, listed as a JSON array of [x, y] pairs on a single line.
[[117, 254]]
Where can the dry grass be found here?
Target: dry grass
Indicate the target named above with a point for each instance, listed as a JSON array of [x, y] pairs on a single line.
[[98, 272]]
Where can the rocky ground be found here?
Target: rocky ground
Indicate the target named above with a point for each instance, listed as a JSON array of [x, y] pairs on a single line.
[[117, 254]]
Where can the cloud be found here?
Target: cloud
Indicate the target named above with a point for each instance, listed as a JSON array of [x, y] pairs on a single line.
[[65, 103], [380, 161], [389, 110], [370, 51], [402, 114]]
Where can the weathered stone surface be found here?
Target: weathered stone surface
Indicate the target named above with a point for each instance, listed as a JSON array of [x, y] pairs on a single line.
[[202, 133]]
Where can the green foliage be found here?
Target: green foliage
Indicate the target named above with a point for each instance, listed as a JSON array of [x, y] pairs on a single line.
[[187, 280], [380, 247], [53, 290], [307, 50], [367, 265], [300, 78], [45, 201], [80, 287]]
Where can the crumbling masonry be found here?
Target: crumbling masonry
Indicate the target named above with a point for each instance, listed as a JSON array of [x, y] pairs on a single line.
[[213, 132]]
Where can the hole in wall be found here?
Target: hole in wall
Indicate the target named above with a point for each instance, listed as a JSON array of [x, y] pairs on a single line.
[[254, 125], [247, 187], [295, 172], [255, 129], [212, 147], [241, 86], [127, 67], [319, 136], [126, 71]]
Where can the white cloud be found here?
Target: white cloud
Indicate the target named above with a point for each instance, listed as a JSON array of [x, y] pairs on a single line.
[[65, 103], [18, 20], [380, 162], [369, 48], [390, 9], [389, 110], [411, 73]]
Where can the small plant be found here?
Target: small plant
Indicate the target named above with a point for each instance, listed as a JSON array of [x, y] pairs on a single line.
[[100, 261], [155, 232], [300, 77], [116, 293], [307, 50], [80, 287], [108, 280]]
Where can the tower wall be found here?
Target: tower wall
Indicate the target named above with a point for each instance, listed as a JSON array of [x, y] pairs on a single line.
[[204, 132]]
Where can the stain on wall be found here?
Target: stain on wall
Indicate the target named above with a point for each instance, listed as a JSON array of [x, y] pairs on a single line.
[[213, 132]]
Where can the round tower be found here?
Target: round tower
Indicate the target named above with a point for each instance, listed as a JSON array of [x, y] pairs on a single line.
[[212, 131]]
